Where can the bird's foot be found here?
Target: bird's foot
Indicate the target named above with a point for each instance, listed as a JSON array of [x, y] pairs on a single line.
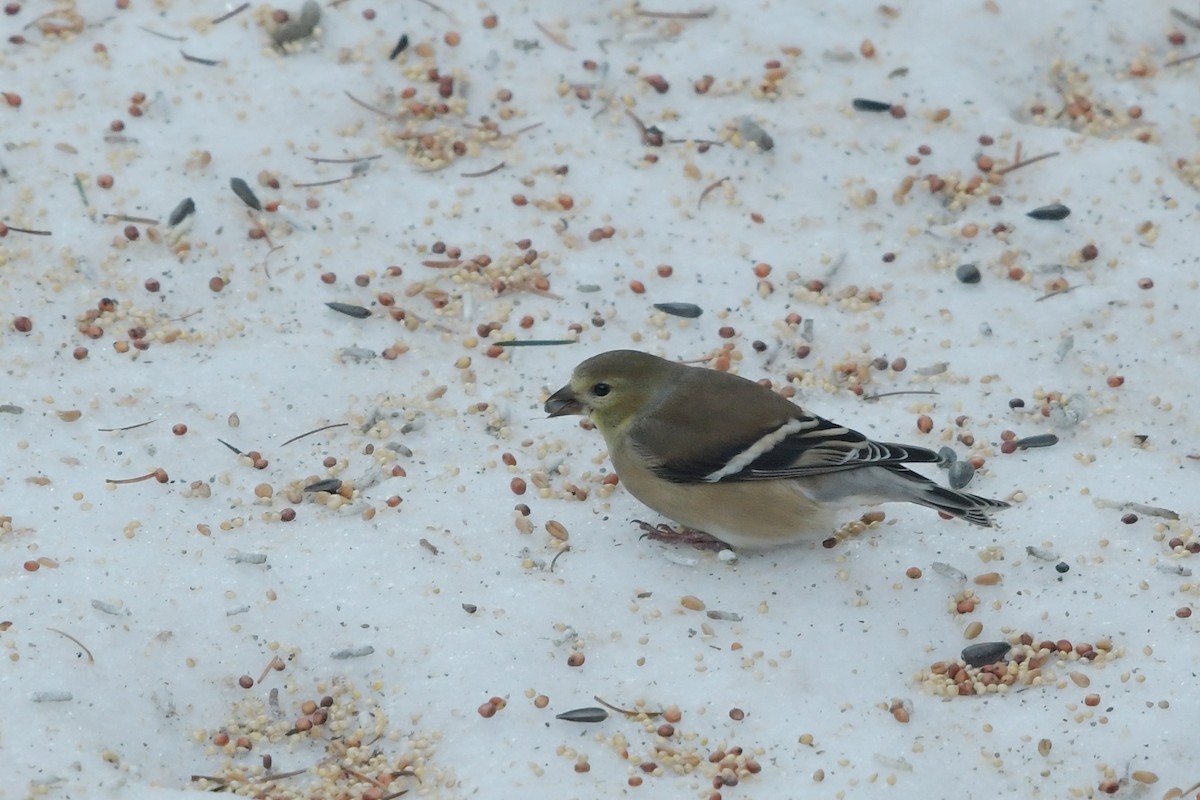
[[665, 533]]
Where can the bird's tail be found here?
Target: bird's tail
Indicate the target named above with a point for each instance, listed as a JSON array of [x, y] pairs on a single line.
[[894, 483]]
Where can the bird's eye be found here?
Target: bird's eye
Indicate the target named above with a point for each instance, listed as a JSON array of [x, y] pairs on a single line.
[[601, 389]]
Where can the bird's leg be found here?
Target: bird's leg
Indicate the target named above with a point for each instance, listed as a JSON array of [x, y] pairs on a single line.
[[665, 533]]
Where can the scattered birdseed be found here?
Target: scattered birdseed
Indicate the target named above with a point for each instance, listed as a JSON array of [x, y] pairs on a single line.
[[984, 653], [1041, 553], [587, 714], [352, 652], [687, 310], [111, 608], [755, 135], [181, 212], [52, 697], [1038, 440], [947, 571], [358, 312], [967, 273], [244, 193], [961, 473], [862, 104], [300, 26], [1055, 211]]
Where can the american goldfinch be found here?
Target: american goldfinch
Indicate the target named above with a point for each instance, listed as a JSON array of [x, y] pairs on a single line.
[[723, 455]]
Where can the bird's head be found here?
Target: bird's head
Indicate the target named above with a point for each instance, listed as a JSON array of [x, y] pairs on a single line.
[[610, 388]]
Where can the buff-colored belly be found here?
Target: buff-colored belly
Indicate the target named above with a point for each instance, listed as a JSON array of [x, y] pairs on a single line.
[[744, 514]]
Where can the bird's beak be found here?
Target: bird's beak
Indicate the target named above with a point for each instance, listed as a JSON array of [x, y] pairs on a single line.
[[563, 402]]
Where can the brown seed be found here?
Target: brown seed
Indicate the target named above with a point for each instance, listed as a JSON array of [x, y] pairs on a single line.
[[664, 270], [1115, 380], [22, 324], [32, 566], [575, 659], [1089, 252], [1092, 700], [913, 572], [924, 423], [987, 579], [245, 682], [80, 353], [518, 486], [1183, 612], [973, 630], [221, 739], [303, 724], [557, 530], [487, 710], [1145, 283], [692, 603], [452, 38], [490, 21], [726, 332], [736, 714], [899, 364], [104, 181], [965, 606], [900, 714], [179, 429], [216, 283]]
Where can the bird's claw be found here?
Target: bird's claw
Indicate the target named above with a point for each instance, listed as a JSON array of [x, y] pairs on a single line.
[[665, 533]]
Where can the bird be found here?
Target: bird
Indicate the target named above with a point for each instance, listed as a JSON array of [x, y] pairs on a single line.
[[726, 457]]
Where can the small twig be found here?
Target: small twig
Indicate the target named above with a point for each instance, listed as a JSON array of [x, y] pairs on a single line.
[[486, 172], [702, 13], [233, 13], [554, 37], [1055, 293], [625, 711], [127, 428], [1186, 19], [438, 8], [873, 397], [275, 663], [1025, 163], [536, 342], [709, 142], [557, 556], [370, 107], [82, 193], [317, 430], [277, 776], [708, 189], [318, 160], [24, 230], [447, 264], [208, 62], [163, 35], [329, 182], [76, 641], [159, 475], [231, 447], [127, 218], [1177, 61], [428, 545]]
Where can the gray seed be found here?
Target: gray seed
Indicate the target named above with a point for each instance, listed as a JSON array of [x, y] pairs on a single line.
[[1041, 553], [754, 134], [1055, 211], [961, 473], [301, 26], [984, 653], [862, 104], [967, 273], [185, 209], [244, 193], [727, 616], [688, 310], [1040, 440], [352, 652], [358, 312], [947, 571], [52, 697], [588, 714], [327, 485], [947, 456]]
